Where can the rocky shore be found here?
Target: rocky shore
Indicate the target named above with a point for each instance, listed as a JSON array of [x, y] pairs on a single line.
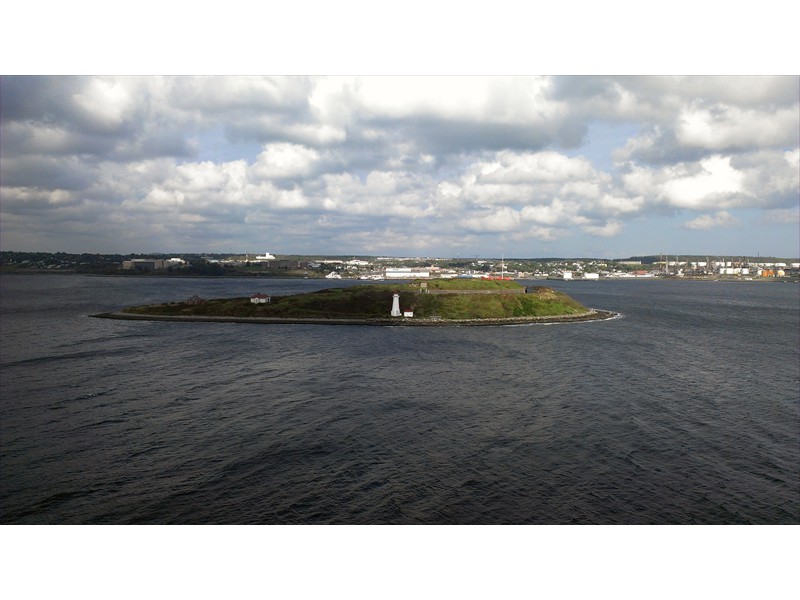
[[591, 315]]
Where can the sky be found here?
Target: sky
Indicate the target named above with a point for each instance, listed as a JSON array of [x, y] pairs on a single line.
[[443, 166]]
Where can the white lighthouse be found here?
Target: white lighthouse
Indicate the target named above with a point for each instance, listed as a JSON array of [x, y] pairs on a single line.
[[396, 306]]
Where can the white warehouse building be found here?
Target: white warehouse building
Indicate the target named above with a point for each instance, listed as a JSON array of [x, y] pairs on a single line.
[[405, 273]]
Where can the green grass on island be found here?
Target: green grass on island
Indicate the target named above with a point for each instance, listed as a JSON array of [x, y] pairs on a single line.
[[454, 299]]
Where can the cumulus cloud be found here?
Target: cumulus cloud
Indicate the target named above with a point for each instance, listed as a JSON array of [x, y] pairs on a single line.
[[728, 128], [104, 104], [541, 167], [773, 177], [501, 220], [719, 219], [712, 183], [761, 179], [280, 161], [610, 229], [443, 161]]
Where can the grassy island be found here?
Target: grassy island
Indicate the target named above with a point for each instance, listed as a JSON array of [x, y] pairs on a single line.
[[433, 302]]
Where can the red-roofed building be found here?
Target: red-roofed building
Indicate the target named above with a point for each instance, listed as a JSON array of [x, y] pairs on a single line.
[[260, 298]]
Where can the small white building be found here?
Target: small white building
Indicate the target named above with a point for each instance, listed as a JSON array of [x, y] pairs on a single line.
[[260, 299], [333, 275]]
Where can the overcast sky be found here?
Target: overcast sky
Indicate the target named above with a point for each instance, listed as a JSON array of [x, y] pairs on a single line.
[[432, 166]]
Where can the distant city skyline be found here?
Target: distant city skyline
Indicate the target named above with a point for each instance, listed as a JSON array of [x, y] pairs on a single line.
[[583, 166]]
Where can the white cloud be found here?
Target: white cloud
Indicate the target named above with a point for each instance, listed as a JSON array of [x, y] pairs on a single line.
[[773, 177], [615, 204], [526, 179], [510, 192], [610, 229], [382, 194], [502, 220], [755, 180], [511, 167], [238, 96], [493, 99], [466, 158], [282, 160], [545, 234], [313, 133], [714, 183], [34, 198], [550, 214], [207, 179], [721, 127], [105, 102], [719, 219]]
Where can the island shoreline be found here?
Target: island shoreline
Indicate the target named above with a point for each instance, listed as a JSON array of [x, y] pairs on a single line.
[[591, 315]]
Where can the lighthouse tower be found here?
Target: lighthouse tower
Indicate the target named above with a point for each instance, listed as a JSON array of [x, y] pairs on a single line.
[[396, 305]]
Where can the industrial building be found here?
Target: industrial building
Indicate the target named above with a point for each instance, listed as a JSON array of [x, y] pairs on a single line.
[[143, 264], [406, 273]]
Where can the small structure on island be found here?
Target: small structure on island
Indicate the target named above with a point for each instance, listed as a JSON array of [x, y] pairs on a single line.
[[260, 298], [396, 305]]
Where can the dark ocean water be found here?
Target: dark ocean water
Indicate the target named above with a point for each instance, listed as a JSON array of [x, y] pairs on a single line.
[[685, 410]]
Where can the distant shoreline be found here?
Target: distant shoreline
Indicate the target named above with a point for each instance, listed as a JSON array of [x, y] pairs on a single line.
[[149, 276], [592, 315]]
